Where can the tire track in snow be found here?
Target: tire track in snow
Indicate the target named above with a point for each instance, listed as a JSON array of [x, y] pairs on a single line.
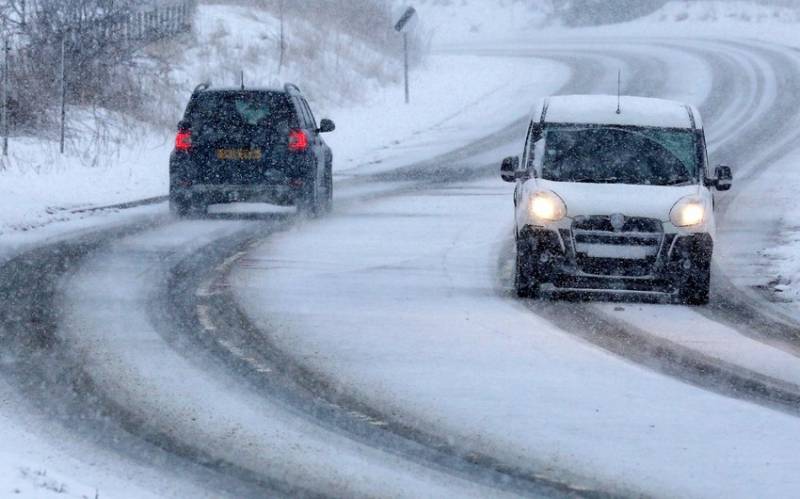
[[429, 448]]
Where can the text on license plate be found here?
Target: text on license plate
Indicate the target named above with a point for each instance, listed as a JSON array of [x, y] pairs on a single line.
[[239, 154]]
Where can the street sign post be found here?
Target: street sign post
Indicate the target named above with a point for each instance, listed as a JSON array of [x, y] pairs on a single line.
[[401, 25]]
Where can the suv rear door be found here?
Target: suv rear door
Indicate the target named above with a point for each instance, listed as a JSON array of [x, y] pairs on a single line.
[[240, 137]]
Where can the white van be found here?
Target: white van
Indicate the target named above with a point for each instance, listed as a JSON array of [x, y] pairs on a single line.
[[615, 194]]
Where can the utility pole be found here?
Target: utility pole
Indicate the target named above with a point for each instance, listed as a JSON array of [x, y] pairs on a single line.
[[6, 69], [401, 26], [63, 89], [281, 4]]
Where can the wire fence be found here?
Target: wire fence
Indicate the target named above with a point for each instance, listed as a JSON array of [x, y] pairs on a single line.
[[89, 57], [162, 21]]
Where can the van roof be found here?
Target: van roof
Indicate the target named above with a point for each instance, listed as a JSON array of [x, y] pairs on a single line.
[[602, 110]]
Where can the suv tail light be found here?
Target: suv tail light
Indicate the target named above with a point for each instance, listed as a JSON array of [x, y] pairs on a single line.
[[183, 141], [298, 141]]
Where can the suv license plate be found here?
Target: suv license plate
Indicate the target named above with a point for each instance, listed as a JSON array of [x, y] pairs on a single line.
[[239, 154]]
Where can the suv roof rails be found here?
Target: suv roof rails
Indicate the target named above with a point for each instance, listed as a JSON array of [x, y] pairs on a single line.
[[545, 107], [292, 88], [203, 86], [691, 117]]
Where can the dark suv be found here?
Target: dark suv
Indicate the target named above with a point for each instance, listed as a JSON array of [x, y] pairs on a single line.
[[260, 145]]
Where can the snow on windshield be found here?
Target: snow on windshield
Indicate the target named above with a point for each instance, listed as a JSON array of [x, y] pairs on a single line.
[[650, 156]]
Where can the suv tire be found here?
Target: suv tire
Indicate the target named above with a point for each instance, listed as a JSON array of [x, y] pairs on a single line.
[[526, 278], [180, 207], [309, 203], [186, 208], [328, 202]]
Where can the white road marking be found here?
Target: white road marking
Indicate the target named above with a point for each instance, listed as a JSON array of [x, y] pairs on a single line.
[[205, 318]]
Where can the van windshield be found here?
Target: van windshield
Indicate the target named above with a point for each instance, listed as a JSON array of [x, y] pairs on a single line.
[[618, 155]]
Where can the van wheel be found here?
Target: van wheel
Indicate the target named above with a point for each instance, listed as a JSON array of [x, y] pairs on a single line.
[[526, 279], [696, 289]]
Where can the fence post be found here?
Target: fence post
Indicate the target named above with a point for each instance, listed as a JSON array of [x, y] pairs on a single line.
[[6, 69], [63, 90]]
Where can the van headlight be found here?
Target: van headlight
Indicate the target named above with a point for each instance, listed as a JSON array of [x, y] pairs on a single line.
[[546, 206], [688, 212]]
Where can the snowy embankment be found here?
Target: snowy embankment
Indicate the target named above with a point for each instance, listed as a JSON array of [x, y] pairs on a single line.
[[111, 159]]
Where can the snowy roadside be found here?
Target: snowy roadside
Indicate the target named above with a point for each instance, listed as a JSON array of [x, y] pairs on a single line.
[[39, 186], [38, 460]]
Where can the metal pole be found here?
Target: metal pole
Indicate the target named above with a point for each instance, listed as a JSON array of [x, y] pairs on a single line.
[[63, 89], [6, 49], [405, 49], [281, 13]]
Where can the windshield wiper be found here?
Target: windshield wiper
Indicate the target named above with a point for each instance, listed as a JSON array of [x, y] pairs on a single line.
[[678, 181]]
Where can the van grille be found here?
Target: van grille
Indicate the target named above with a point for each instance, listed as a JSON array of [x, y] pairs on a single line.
[[617, 246]]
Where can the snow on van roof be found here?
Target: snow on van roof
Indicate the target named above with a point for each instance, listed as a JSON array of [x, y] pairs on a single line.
[[635, 111]]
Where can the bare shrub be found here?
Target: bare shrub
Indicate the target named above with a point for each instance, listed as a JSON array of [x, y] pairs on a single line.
[[102, 41]]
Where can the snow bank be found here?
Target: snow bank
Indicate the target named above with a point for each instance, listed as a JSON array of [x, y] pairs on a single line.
[[453, 21], [721, 11], [705, 19], [111, 159]]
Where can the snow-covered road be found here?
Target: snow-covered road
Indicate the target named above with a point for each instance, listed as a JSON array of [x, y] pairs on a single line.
[[405, 312], [378, 352]]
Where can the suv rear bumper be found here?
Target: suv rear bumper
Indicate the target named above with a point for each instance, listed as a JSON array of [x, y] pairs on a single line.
[[282, 184], [229, 193], [566, 269]]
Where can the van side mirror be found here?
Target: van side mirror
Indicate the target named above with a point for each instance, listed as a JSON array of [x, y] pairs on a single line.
[[723, 178], [326, 126], [508, 170]]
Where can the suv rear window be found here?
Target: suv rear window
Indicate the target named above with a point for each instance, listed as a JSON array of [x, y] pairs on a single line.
[[222, 112]]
